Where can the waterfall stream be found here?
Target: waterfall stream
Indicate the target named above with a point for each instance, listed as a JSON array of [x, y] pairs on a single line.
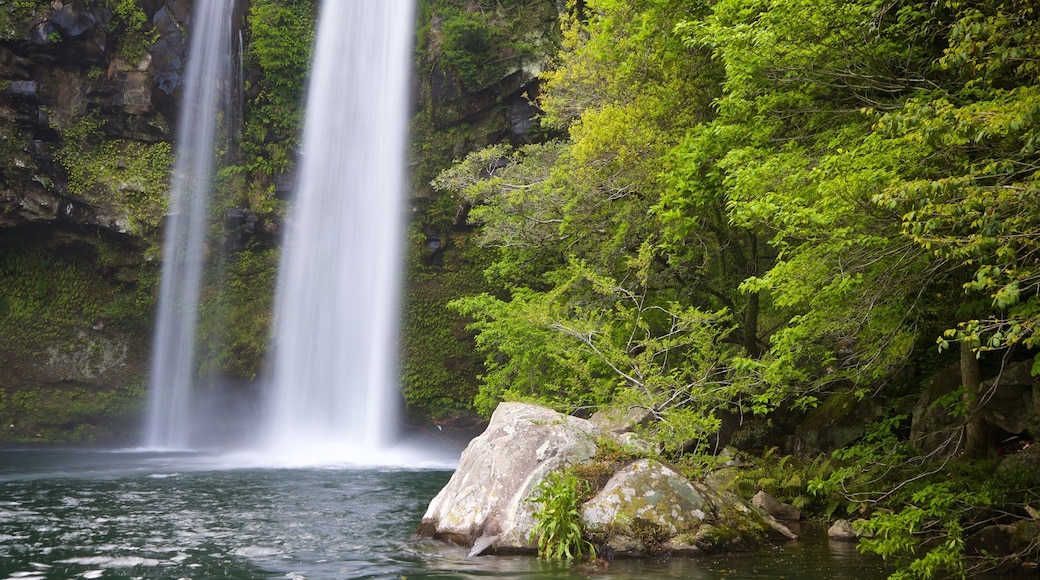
[[173, 356], [333, 394]]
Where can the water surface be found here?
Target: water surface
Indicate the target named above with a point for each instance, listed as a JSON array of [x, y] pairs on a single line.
[[72, 514]]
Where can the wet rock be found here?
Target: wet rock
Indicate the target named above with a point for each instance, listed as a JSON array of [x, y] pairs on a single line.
[[775, 507], [842, 530], [168, 52], [23, 88]]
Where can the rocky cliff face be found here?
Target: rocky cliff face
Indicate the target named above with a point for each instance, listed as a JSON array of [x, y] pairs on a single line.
[[476, 85], [61, 63], [87, 95], [88, 101]]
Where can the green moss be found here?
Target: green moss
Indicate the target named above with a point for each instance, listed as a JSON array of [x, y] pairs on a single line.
[[67, 413], [16, 17], [235, 315], [609, 458], [130, 24], [438, 365], [46, 298], [61, 308], [471, 47], [131, 175], [279, 47]]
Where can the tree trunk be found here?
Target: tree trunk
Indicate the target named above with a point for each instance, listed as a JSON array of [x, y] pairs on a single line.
[[976, 431]]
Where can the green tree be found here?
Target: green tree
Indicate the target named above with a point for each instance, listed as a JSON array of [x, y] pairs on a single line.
[[975, 208]]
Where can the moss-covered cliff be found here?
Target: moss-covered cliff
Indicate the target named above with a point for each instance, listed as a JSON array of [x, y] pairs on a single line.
[[84, 156], [88, 98], [477, 77]]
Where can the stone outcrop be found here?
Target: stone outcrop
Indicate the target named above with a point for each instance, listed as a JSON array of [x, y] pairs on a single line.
[[486, 500], [775, 507], [1013, 406], [646, 507], [61, 63]]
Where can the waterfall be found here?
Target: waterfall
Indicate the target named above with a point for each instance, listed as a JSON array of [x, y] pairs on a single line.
[[173, 357], [333, 392]]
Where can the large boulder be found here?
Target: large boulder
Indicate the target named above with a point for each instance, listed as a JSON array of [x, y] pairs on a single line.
[[646, 507], [1014, 405], [648, 494], [486, 501]]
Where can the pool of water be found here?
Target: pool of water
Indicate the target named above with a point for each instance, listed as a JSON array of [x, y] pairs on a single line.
[[76, 514]]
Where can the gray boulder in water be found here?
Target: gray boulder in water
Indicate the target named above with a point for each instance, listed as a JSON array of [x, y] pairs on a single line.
[[485, 503], [645, 508]]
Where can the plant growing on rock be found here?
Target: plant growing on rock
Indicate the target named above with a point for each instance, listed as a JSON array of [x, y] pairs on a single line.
[[558, 526]]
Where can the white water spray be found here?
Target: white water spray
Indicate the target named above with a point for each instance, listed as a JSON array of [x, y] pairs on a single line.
[[173, 357], [334, 384]]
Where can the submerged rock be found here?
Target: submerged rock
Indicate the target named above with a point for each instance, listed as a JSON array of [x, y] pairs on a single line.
[[842, 530]]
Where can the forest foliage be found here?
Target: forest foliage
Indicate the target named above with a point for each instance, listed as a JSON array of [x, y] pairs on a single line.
[[761, 202]]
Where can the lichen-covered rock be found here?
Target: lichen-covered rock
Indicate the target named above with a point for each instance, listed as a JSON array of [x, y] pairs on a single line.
[[648, 493], [486, 501], [646, 507], [665, 511]]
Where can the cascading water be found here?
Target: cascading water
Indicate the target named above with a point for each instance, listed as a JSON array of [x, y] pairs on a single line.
[[172, 372], [333, 391]]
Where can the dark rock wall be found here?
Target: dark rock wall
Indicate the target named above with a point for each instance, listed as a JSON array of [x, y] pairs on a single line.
[[63, 63], [86, 110]]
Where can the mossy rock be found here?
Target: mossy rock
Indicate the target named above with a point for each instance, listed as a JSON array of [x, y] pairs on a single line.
[[664, 511]]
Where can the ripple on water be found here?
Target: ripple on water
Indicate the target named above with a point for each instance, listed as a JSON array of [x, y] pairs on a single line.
[[256, 552], [112, 561]]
